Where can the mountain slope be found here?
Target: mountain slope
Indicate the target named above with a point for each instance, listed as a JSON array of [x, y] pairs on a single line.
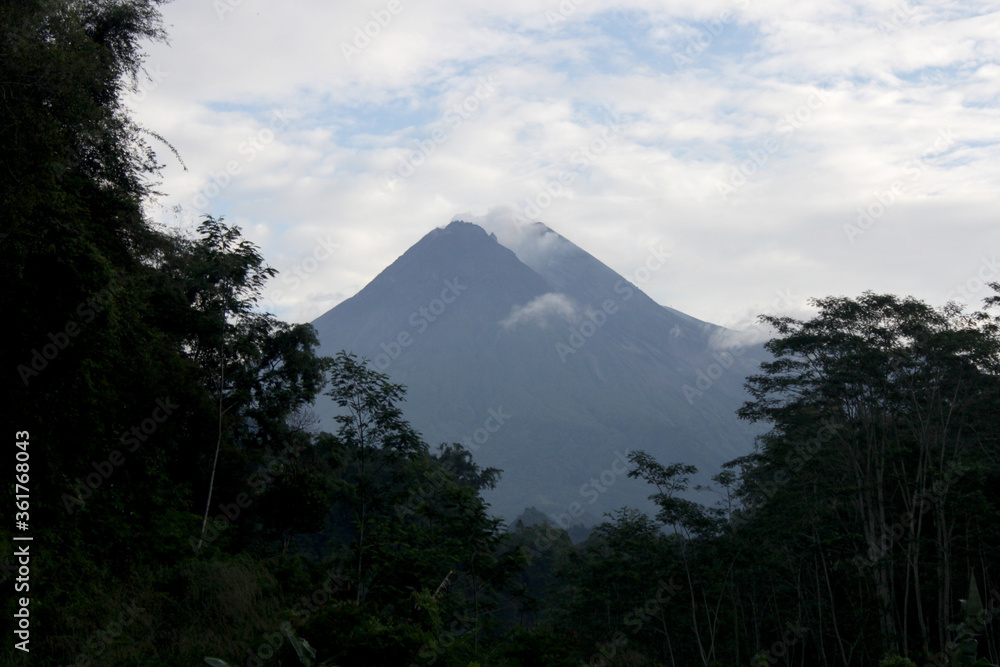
[[550, 371]]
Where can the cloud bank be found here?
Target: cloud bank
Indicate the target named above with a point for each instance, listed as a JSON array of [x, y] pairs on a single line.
[[812, 147]]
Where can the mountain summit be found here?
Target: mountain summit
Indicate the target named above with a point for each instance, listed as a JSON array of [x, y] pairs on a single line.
[[546, 364]]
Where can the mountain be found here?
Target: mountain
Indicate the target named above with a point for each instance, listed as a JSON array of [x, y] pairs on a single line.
[[546, 364]]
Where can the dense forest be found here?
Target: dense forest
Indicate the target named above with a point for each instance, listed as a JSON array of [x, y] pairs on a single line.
[[185, 509]]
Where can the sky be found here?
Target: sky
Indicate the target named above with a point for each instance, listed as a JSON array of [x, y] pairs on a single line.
[[776, 151]]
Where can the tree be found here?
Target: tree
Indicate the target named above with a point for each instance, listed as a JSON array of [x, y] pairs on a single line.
[[689, 520], [373, 434], [882, 410]]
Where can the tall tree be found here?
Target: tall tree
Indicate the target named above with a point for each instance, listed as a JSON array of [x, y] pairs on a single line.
[[906, 396]]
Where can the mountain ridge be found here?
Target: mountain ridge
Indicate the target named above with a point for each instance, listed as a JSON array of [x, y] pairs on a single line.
[[584, 363]]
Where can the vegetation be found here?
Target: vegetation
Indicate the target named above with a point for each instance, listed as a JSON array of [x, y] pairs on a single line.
[[185, 509]]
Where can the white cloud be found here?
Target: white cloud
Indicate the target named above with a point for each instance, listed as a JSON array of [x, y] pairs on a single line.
[[534, 244], [683, 130], [539, 310]]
